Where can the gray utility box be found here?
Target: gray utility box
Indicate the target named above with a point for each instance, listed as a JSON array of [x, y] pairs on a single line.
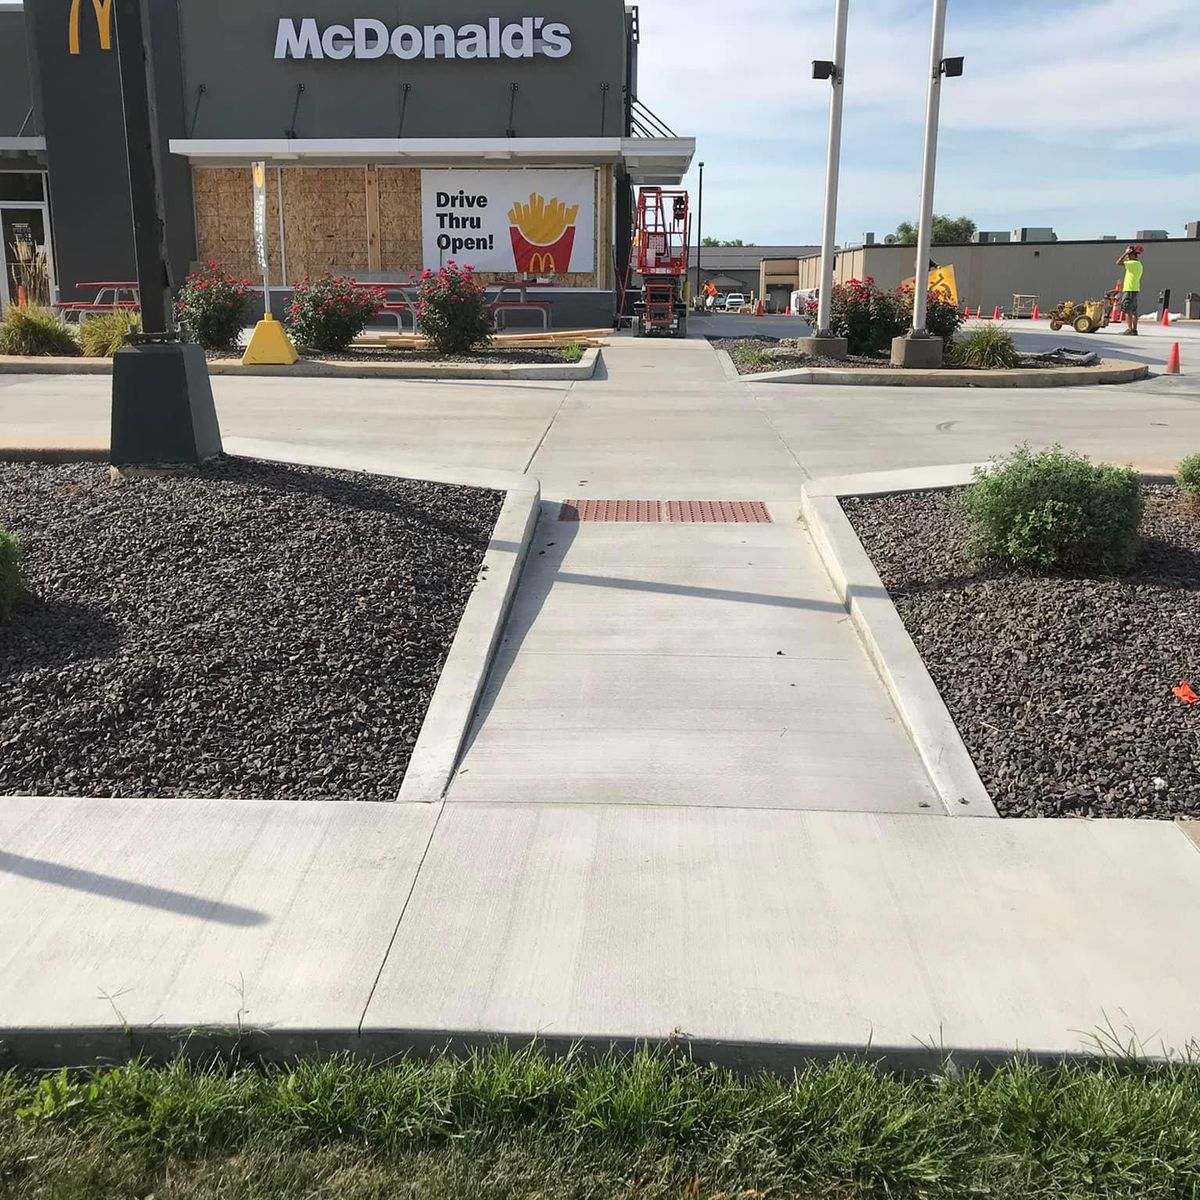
[[1191, 306], [1034, 234], [1192, 229], [1152, 235]]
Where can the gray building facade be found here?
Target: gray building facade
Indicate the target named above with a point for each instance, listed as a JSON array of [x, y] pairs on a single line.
[[367, 114]]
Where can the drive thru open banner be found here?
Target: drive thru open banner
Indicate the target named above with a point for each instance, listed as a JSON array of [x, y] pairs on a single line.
[[534, 222]]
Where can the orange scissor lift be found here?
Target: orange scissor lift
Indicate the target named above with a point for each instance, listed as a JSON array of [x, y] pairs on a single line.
[[660, 250]]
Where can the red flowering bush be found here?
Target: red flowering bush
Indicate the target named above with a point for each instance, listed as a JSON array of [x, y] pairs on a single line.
[[865, 316], [452, 310], [214, 306], [328, 314]]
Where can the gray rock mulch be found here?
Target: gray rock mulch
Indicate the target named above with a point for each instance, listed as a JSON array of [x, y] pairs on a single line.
[[1062, 688], [246, 630], [756, 355]]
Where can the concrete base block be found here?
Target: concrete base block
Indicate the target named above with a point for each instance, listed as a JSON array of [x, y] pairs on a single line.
[[162, 410], [826, 347], [921, 354]]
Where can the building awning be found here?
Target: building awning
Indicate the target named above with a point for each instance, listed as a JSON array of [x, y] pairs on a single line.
[[32, 144], [662, 161]]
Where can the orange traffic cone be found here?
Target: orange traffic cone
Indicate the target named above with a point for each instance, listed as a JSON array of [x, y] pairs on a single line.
[[22, 300], [1036, 315], [1115, 319], [979, 313], [966, 312], [1165, 319], [996, 314], [1173, 360]]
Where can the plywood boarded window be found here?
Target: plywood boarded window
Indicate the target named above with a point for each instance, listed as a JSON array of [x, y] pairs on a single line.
[[224, 199], [400, 220], [325, 220]]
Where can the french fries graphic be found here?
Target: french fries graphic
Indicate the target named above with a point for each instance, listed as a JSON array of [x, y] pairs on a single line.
[[543, 234], [542, 221]]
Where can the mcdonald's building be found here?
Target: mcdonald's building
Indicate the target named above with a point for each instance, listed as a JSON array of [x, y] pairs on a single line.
[[394, 137]]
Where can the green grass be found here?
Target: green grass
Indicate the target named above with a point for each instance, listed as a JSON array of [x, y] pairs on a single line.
[[648, 1126], [752, 357], [572, 352]]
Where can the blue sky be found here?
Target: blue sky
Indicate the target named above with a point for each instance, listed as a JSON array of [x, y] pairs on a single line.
[[1071, 114]]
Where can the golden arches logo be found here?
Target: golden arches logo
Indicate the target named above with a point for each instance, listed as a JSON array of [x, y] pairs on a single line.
[[542, 264], [103, 13]]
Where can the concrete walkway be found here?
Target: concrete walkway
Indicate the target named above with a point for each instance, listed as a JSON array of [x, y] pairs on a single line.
[[648, 834]]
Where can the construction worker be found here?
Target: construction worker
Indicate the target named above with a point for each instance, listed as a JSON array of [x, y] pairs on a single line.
[[1131, 287], [710, 295]]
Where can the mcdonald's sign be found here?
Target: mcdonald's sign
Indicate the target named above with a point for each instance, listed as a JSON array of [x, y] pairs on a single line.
[[102, 10]]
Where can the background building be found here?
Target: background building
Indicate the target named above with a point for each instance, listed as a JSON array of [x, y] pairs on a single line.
[[738, 269], [990, 274], [463, 129]]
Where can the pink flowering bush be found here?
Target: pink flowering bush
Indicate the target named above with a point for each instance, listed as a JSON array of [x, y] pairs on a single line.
[[452, 310], [867, 317], [327, 314], [214, 306]]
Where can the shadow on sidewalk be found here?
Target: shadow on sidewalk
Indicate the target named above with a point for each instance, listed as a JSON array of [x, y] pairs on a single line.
[[126, 890]]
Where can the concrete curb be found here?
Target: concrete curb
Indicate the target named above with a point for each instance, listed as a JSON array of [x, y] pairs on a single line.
[[1106, 372], [21, 454], [728, 366], [326, 369], [894, 654], [465, 670]]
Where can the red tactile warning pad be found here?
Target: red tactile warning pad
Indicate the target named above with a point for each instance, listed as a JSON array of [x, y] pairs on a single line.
[[611, 510], [718, 512]]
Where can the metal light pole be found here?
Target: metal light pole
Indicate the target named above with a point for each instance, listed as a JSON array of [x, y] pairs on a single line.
[[925, 226], [699, 230], [162, 406], [835, 72]]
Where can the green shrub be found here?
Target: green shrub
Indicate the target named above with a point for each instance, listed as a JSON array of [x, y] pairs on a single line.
[[1188, 476], [328, 314], [1055, 511], [452, 310], [10, 571], [214, 306], [989, 347], [36, 331], [572, 352], [103, 335]]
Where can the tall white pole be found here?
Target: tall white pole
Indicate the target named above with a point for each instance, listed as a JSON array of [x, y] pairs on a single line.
[[825, 298], [933, 110]]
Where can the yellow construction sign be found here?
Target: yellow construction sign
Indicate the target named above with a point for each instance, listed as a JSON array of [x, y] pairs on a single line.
[[941, 282]]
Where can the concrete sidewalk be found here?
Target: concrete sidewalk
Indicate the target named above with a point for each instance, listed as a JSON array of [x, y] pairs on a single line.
[[688, 665], [652, 831]]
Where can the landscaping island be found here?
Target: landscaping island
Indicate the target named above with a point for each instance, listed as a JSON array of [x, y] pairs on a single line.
[[1061, 684], [242, 630]]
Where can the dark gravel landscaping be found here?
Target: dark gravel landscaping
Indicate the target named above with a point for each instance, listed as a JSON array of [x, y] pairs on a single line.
[[1061, 687], [778, 355], [247, 630], [756, 355]]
